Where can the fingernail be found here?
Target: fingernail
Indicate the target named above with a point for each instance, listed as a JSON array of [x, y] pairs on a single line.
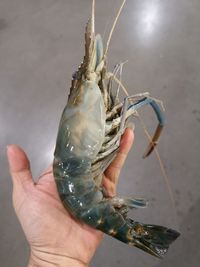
[[131, 126]]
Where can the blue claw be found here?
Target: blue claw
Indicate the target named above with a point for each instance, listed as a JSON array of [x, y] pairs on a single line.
[[160, 117]]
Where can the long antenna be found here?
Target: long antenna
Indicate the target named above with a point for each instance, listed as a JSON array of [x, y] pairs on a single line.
[[113, 27], [93, 17]]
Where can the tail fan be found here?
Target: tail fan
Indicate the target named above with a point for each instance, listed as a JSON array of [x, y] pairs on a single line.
[[153, 239]]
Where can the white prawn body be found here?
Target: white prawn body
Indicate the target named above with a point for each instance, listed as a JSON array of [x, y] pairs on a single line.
[[88, 140]]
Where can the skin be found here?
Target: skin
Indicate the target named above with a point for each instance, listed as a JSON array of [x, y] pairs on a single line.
[[54, 236]]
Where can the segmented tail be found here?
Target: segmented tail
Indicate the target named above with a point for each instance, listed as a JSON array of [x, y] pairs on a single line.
[[105, 216], [153, 239]]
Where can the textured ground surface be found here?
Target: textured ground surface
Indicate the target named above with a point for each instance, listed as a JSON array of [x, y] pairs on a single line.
[[41, 44]]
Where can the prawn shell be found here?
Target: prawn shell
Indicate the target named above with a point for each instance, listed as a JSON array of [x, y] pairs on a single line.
[[82, 126]]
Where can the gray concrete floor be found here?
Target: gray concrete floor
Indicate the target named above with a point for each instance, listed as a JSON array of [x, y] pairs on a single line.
[[41, 45]]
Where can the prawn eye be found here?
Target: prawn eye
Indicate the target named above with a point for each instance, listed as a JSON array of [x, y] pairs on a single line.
[[76, 75]]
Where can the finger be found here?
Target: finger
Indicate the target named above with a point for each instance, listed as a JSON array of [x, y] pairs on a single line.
[[113, 171], [19, 166], [109, 187]]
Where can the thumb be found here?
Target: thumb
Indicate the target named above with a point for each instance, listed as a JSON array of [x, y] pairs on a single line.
[[19, 167]]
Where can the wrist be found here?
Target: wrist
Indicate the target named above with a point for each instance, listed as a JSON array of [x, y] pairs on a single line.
[[44, 259]]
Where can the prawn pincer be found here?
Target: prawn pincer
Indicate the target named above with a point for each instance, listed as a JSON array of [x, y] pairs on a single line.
[[88, 140]]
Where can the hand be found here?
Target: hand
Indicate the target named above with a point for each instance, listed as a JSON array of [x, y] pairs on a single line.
[[54, 236]]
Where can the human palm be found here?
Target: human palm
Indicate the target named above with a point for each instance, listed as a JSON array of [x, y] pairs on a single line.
[[54, 235]]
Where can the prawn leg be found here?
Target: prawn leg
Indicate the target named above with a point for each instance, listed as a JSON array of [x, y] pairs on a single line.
[[129, 202], [160, 117], [131, 109]]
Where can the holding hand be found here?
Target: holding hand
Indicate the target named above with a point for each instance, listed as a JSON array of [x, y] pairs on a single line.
[[55, 237]]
